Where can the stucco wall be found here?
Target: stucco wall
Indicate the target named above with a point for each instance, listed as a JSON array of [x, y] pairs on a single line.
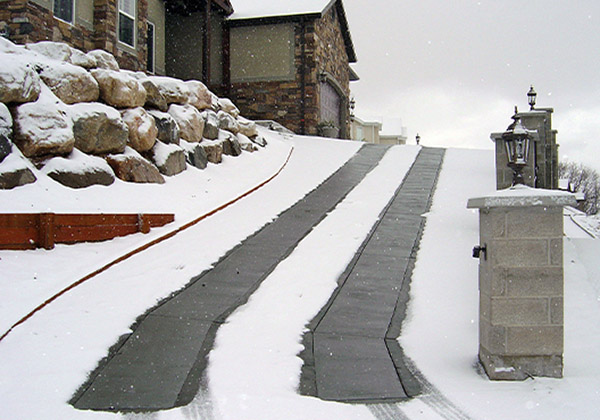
[[262, 53], [156, 15]]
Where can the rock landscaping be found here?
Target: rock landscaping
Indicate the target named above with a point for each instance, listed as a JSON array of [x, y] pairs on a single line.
[[82, 121]]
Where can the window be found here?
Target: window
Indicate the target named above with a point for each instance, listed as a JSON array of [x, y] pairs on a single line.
[[127, 22], [150, 40], [63, 9]]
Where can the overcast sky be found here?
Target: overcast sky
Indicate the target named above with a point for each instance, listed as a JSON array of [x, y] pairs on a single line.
[[453, 70]]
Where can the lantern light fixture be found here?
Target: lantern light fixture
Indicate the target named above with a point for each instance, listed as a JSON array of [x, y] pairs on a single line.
[[516, 141], [531, 97]]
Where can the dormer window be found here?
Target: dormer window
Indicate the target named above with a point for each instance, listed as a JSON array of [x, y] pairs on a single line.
[[127, 22], [63, 10]]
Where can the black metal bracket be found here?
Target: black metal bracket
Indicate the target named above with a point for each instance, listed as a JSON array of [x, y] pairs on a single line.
[[478, 250]]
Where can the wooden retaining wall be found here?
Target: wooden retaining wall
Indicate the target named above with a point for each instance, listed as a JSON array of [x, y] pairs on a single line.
[[43, 230]]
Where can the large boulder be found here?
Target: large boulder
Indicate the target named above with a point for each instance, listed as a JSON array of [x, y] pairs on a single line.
[[247, 128], [211, 125], [168, 129], [5, 132], [131, 167], [119, 89], [214, 151], [79, 170], [104, 60], [175, 91], [43, 127], [229, 143], [71, 84], [142, 129], [55, 50], [245, 143], [227, 122], [19, 82], [14, 172], [195, 154], [190, 121], [154, 99], [229, 107], [168, 158], [98, 129], [81, 59], [199, 95]]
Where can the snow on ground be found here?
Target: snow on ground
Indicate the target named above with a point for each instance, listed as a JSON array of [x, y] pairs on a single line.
[[44, 360], [441, 334]]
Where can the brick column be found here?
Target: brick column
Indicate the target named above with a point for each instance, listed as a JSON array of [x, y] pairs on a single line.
[[521, 282]]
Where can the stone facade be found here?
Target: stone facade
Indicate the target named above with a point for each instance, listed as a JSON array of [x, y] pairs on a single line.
[[320, 56], [521, 323], [30, 21]]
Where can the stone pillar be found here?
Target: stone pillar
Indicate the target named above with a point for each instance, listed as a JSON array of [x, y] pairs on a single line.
[[521, 282]]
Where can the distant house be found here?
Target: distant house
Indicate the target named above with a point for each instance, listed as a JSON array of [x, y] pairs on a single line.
[[287, 61], [370, 132]]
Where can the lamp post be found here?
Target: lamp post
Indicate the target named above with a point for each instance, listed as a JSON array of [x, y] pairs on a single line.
[[531, 97], [516, 141]]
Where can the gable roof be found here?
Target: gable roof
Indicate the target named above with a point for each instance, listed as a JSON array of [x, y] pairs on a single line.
[[251, 12]]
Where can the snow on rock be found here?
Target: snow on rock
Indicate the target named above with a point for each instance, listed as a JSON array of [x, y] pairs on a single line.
[[211, 124], [5, 132], [79, 170], [43, 127], [142, 128], [190, 121], [174, 90], [227, 122], [195, 154], [229, 107], [214, 150], [54, 50], [119, 89], [245, 143], [154, 99], [131, 167], [8, 47], [19, 82], [169, 158], [104, 60], [229, 143], [15, 171], [168, 129], [247, 127], [98, 128], [71, 84], [199, 95], [81, 59]]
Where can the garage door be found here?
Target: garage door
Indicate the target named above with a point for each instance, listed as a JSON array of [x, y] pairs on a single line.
[[330, 104]]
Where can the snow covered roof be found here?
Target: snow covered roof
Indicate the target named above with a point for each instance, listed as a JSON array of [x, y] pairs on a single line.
[[251, 11]]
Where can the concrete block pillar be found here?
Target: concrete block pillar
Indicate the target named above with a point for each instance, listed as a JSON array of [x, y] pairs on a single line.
[[521, 282]]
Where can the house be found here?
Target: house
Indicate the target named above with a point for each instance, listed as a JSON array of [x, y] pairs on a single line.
[[287, 61], [369, 132], [290, 62]]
